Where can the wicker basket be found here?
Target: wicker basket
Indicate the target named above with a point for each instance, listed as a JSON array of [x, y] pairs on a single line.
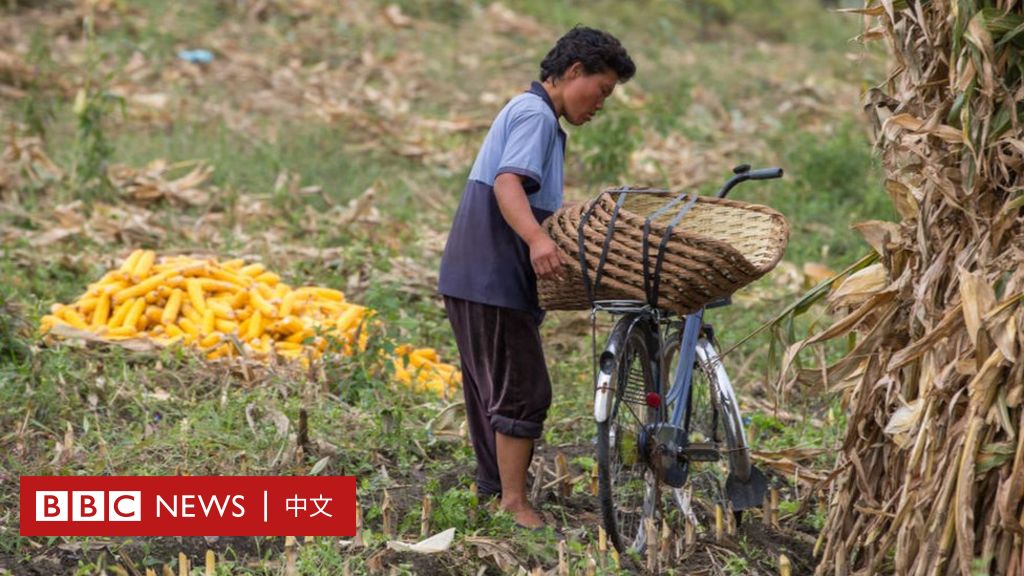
[[714, 248]]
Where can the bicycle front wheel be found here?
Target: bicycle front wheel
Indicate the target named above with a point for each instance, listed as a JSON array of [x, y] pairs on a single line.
[[727, 423], [627, 485], [711, 416]]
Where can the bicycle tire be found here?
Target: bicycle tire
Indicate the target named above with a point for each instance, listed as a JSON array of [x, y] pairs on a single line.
[[728, 407], [627, 488]]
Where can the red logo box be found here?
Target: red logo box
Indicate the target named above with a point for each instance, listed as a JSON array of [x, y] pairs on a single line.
[[188, 505]]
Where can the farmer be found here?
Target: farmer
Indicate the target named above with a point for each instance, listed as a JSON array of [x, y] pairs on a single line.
[[496, 250]]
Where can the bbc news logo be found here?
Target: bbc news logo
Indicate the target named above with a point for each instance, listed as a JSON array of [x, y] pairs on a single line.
[[88, 506], [187, 505]]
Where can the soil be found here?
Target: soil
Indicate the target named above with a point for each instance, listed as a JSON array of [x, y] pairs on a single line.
[[576, 515]]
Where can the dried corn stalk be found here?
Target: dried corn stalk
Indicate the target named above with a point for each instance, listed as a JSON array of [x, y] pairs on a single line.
[[931, 474]]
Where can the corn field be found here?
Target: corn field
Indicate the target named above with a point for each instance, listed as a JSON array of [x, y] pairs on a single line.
[[931, 475]]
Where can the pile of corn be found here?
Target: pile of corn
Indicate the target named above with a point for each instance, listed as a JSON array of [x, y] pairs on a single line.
[[231, 308], [422, 370]]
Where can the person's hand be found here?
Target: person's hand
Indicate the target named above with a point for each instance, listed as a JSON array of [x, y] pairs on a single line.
[[545, 257]]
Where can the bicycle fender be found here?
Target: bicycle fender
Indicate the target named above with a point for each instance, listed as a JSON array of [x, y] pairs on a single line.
[[602, 396], [607, 364]]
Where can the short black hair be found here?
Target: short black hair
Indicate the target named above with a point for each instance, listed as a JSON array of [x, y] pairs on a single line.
[[597, 50]]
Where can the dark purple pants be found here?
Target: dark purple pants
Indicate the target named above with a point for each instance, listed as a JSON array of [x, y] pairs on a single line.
[[504, 379]]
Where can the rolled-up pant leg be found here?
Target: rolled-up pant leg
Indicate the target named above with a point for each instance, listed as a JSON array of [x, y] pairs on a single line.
[[505, 379]]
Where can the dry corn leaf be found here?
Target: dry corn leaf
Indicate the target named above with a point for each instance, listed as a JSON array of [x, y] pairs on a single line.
[[875, 233], [903, 421], [902, 198], [859, 286], [977, 297]]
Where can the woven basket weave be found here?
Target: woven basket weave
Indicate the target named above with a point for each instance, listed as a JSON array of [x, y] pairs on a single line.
[[717, 247]]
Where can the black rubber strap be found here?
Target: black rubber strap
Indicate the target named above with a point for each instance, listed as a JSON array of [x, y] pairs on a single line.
[[592, 288], [607, 241], [582, 246], [653, 297], [644, 242]]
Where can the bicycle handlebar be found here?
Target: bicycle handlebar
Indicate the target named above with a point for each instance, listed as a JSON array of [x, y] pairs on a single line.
[[744, 173], [765, 174]]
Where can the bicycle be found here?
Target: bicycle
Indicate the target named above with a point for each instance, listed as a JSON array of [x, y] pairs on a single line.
[[647, 436]]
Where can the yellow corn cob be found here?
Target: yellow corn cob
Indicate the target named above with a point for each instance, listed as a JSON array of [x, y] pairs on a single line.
[[228, 276], [226, 326], [268, 278], [287, 301], [132, 318], [212, 285], [240, 299], [85, 305], [153, 315], [190, 328], [219, 352], [73, 318], [121, 332], [131, 261], [220, 308], [189, 312], [47, 322], [142, 265], [423, 356], [195, 295], [260, 303], [261, 346], [120, 312], [287, 325], [102, 312], [172, 308], [329, 307], [255, 327], [143, 287], [265, 290], [350, 317], [210, 339], [330, 294], [209, 320], [252, 270]]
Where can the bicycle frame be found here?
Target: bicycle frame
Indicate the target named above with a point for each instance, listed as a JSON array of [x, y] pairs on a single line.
[[678, 395]]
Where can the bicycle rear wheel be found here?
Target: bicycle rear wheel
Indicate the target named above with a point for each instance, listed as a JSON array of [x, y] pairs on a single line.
[[627, 486]]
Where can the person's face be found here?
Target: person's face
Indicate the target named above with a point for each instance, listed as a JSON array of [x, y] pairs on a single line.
[[584, 94]]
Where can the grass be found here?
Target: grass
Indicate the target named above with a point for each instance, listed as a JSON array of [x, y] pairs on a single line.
[[170, 413]]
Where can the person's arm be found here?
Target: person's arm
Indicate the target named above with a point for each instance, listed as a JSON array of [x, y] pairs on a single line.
[[515, 208]]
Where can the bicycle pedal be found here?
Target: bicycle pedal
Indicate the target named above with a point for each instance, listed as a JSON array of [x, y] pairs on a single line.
[[701, 452]]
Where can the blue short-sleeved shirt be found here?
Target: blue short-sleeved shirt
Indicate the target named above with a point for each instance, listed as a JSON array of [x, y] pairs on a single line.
[[485, 260]]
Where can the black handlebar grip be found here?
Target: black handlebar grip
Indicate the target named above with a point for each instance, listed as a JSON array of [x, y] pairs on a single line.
[[765, 174]]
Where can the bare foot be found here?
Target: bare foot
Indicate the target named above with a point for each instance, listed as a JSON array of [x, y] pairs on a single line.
[[523, 512]]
